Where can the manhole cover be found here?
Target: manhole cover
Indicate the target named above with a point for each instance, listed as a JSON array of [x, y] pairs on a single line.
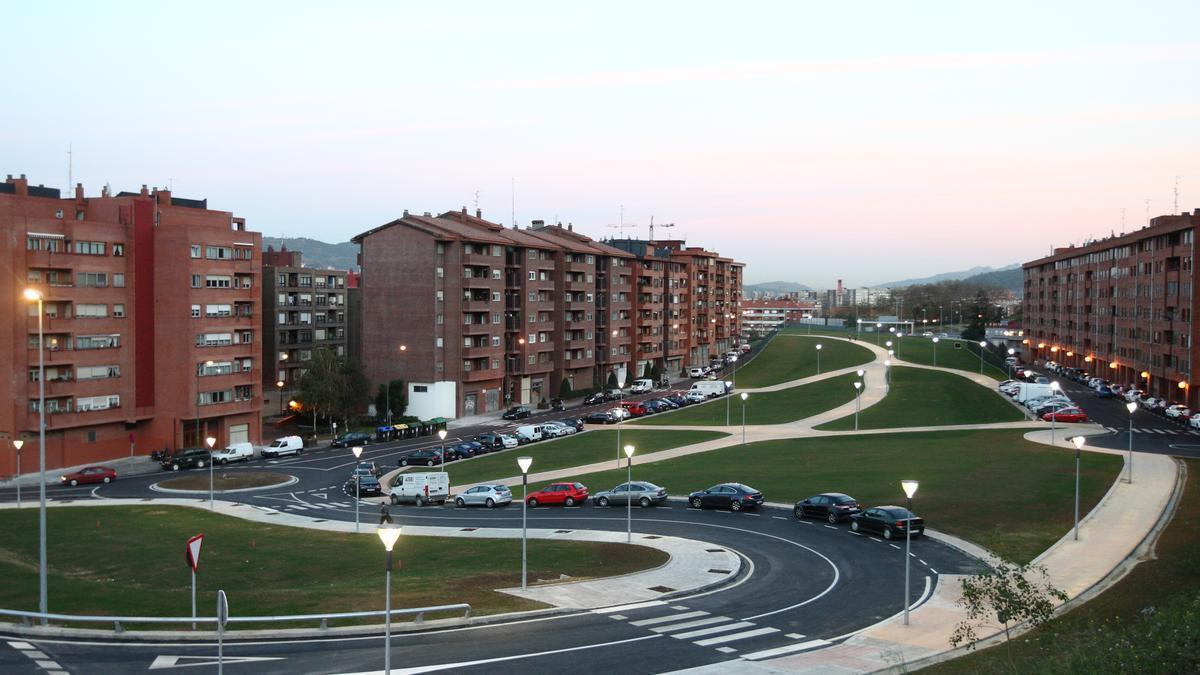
[[652, 536], [716, 571], [715, 550], [661, 589]]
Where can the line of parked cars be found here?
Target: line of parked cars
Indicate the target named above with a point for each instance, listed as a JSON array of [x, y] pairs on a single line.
[[1042, 398], [1102, 388], [890, 522]]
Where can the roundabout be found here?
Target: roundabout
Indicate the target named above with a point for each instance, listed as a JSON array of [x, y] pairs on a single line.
[[224, 482]]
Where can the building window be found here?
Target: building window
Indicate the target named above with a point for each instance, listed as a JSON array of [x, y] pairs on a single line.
[[440, 248], [218, 252], [532, 359], [495, 341], [438, 342], [496, 274], [119, 250], [441, 319], [97, 341], [196, 312], [217, 311], [243, 392], [88, 311], [532, 317], [532, 273], [213, 281], [441, 272], [195, 281], [97, 372], [118, 280], [195, 250], [91, 279], [89, 247], [440, 296], [118, 311], [214, 339], [90, 403]]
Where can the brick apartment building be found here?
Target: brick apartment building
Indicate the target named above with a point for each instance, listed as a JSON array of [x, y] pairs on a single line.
[[304, 309], [763, 316], [490, 316], [151, 323], [1122, 308]]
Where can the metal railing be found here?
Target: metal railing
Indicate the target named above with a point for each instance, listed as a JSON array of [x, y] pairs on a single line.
[[119, 622]]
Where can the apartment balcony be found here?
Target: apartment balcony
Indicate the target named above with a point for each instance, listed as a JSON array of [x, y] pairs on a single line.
[[478, 328], [482, 351], [580, 286], [578, 305], [484, 281], [580, 343], [478, 306], [581, 324], [481, 375], [55, 387], [482, 259]]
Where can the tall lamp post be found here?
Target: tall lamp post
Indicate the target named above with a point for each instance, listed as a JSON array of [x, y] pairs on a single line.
[[524, 463], [857, 400], [388, 535], [728, 388], [1078, 441], [910, 489], [34, 295], [878, 330], [1054, 389], [982, 344], [207, 364], [935, 344], [744, 397], [629, 450], [442, 440], [210, 442], [887, 372], [357, 450], [1130, 407], [279, 387], [1012, 352], [17, 445], [898, 336], [818, 358]]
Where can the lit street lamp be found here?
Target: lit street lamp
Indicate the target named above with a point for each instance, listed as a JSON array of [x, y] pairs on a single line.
[[17, 445], [210, 442], [388, 535], [982, 344], [887, 372], [279, 386], [935, 344], [629, 449], [524, 463], [910, 489], [442, 439], [878, 330], [34, 295], [1130, 407], [728, 388], [357, 450], [1078, 441], [898, 336], [818, 358], [1011, 352], [857, 401], [744, 397], [1055, 387]]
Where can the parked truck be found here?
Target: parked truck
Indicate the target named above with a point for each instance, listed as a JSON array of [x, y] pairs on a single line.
[[1028, 390], [421, 488]]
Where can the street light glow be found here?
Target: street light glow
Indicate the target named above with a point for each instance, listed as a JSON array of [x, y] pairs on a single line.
[[1078, 441], [745, 396], [1131, 407], [910, 488], [629, 450], [524, 463], [441, 434], [388, 535], [33, 294], [357, 450]]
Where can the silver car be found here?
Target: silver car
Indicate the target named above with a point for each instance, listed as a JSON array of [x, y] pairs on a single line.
[[639, 492], [490, 496]]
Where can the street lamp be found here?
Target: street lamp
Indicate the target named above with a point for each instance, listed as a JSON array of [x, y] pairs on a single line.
[[357, 450], [728, 388], [442, 439], [878, 330], [17, 445], [982, 344], [207, 364], [1131, 406], [629, 449], [910, 489], [210, 442], [388, 395], [857, 400], [34, 295], [279, 385], [524, 463], [1078, 441], [935, 343], [1011, 352], [1054, 389], [818, 358], [744, 397], [388, 535]]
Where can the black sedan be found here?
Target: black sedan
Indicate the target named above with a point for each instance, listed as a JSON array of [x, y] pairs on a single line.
[[350, 439], [367, 486], [830, 506], [600, 417], [517, 412], [890, 521], [595, 399], [576, 422], [422, 458], [734, 496], [491, 440]]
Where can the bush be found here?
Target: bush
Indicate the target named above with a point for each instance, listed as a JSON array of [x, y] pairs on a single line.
[[564, 391], [612, 381], [543, 405]]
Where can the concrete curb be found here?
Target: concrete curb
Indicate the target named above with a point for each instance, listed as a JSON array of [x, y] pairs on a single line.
[[292, 480]]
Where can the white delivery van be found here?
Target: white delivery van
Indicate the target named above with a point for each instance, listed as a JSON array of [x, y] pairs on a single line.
[[642, 386], [1028, 390], [710, 388], [421, 488], [236, 452], [288, 445], [528, 433]]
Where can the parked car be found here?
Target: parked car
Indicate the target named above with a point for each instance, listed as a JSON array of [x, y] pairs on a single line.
[[370, 467], [1066, 415], [236, 452], [564, 428], [186, 458], [735, 496], [1053, 406], [889, 521], [529, 434], [638, 492], [1103, 392], [619, 413], [368, 486], [567, 494], [574, 422], [696, 396], [91, 474], [496, 441], [696, 373], [595, 399], [1194, 422], [490, 496], [1178, 412], [288, 445], [678, 398], [634, 408], [351, 439], [517, 412], [422, 458], [600, 417], [1149, 403], [829, 506], [421, 488]]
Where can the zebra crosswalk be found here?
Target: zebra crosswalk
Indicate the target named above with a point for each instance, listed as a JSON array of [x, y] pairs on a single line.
[[725, 634], [305, 506], [1155, 430]]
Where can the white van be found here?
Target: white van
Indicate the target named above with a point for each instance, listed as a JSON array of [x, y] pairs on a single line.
[[710, 388], [529, 433], [642, 386], [421, 488], [288, 445], [696, 372], [236, 452]]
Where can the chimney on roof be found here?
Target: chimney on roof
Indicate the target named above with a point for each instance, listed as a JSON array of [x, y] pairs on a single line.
[[405, 213], [464, 210], [538, 223], [79, 192], [570, 228], [144, 191], [428, 214], [479, 213]]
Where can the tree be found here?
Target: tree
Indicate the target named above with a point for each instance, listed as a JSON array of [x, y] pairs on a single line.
[[612, 381], [564, 390], [394, 393], [1006, 594], [979, 316], [332, 386], [647, 370], [656, 372]]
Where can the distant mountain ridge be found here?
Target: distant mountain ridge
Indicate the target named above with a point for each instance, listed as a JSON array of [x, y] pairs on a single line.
[[776, 287], [951, 276], [343, 256], [1011, 278]]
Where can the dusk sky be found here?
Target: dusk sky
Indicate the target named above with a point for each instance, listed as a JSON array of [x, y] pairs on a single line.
[[867, 141]]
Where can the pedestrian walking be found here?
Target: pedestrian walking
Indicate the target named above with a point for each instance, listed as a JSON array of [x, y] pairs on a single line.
[[385, 516]]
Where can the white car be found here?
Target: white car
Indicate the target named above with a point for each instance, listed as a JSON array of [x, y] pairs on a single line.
[[288, 445], [696, 396], [619, 413], [1149, 402], [1179, 412], [490, 496], [1194, 422], [555, 429], [509, 441], [236, 452], [1132, 395], [696, 373]]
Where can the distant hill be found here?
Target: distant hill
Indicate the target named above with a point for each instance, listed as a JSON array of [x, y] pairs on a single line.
[[776, 287], [950, 276], [1010, 278], [343, 256]]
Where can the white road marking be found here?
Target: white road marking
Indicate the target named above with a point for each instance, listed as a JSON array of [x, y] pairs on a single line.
[[466, 664], [780, 517], [709, 631], [618, 617], [163, 662], [789, 649], [690, 624], [20, 645], [726, 650], [737, 636], [831, 527], [933, 570], [923, 562], [626, 608], [895, 546], [794, 636], [857, 534], [665, 619]]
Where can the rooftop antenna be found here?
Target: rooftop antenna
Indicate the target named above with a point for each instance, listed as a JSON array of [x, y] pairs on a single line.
[[70, 168], [512, 192], [660, 225], [1147, 211], [1176, 195], [477, 200], [620, 226]]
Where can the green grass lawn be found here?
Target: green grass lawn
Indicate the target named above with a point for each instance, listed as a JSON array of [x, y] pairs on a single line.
[[920, 397], [577, 450], [128, 561], [921, 350], [788, 358], [1149, 622], [773, 407], [991, 487]]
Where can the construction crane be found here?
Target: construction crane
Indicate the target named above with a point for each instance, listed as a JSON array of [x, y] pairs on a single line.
[[660, 225]]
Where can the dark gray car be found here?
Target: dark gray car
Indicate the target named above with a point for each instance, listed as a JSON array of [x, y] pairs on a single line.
[[639, 491]]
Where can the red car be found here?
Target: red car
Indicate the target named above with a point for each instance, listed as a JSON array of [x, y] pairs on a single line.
[[1066, 415], [567, 494], [91, 474], [634, 408]]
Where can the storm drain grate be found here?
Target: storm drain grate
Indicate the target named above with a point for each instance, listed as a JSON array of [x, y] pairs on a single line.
[[467, 529], [716, 571], [662, 589], [562, 531], [318, 520], [147, 499], [652, 536], [714, 550]]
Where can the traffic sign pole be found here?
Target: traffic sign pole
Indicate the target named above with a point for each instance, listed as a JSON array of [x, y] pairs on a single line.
[[193, 599], [191, 553], [222, 617]]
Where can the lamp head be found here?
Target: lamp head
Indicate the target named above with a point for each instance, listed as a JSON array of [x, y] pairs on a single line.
[[910, 487], [388, 535], [441, 434], [524, 463], [1183, 384], [1078, 441], [983, 343], [888, 343], [745, 396], [891, 329], [1029, 373], [899, 335], [403, 348], [818, 347], [1012, 351], [32, 294], [210, 442], [887, 363], [1145, 375], [1055, 385], [18, 443], [283, 356], [728, 383], [1113, 365], [935, 340], [879, 325], [357, 450], [629, 450], [857, 385], [891, 352], [1131, 407], [279, 383], [861, 372]]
